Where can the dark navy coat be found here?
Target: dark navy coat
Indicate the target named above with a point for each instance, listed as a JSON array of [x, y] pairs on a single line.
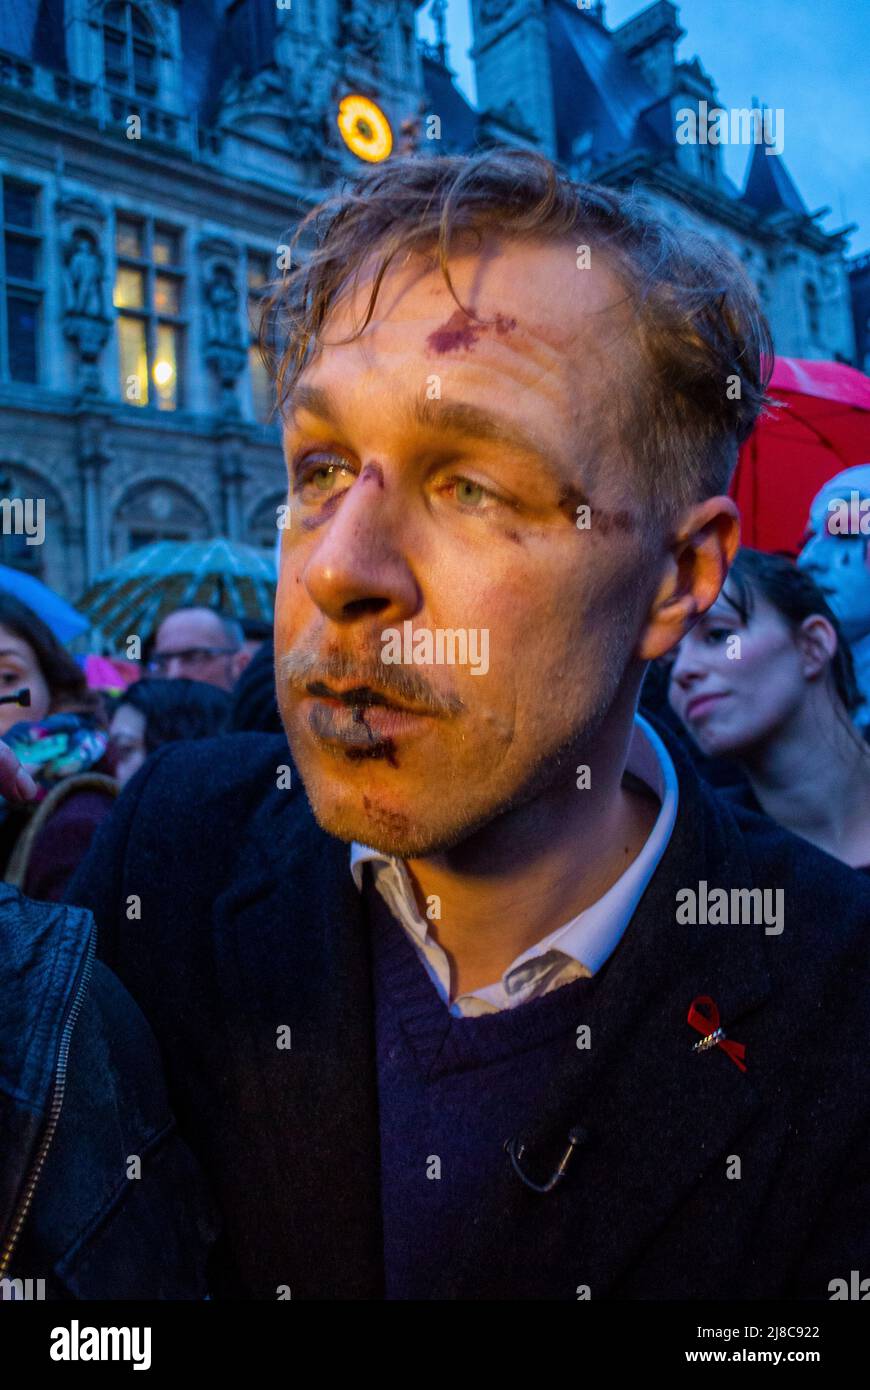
[[250, 922]]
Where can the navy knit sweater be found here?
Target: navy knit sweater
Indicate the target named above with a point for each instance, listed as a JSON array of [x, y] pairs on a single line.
[[260, 926], [451, 1091]]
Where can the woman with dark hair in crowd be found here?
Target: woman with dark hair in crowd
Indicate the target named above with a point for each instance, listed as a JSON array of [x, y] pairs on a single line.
[[765, 677], [61, 742], [153, 712]]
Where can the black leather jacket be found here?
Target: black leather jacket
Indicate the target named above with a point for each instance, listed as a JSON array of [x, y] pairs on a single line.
[[99, 1197]]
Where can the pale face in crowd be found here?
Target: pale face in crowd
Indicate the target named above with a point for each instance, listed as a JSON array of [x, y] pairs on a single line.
[[729, 703], [182, 641], [127, 742], [837, 559], [19, 667], [436, 467]]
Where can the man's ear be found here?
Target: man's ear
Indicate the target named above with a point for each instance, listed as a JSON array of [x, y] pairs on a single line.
[[699, 556]]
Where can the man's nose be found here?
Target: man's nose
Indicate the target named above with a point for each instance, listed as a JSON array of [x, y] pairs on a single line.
[[175, 668], [357, 564]]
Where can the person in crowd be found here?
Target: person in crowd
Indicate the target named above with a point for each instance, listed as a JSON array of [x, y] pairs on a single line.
[[254, 702], [836, 554], [442, 1005], [89, 1239], [257, 633], [153, 712], [766, 678], [655, 701], [198, 644], [61, 742]]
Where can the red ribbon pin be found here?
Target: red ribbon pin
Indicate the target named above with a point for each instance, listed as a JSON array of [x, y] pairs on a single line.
[[704, 1018]]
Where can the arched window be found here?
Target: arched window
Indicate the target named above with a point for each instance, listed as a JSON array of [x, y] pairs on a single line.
[[129, 50], [32, 512], [811, 298], [157, 511]]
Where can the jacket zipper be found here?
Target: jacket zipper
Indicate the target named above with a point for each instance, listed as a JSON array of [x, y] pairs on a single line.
[[54, 1111]]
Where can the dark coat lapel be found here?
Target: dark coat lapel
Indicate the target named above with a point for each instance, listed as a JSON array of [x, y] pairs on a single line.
[[657, 1115], [293, 952]]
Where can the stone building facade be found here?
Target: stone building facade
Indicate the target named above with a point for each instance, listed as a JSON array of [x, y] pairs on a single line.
[[859, 279], [155, 156], [607, 105]]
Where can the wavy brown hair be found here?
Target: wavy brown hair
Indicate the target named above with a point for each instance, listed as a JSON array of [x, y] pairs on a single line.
[[704, 350]]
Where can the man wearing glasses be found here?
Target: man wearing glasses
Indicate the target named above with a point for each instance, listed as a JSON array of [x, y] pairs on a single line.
[[200, 644]]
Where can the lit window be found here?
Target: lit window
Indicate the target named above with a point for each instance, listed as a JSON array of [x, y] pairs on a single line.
[[165, 369], [134, 360], [128, 238], [129, 288], [149, 301], [167, 292], [165, 247], [129, 51], [20, 282]]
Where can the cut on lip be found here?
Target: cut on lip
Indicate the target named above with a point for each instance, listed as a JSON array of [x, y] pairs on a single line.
[[366, 697]]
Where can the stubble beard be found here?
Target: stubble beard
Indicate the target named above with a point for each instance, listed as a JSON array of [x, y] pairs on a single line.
[[404, 836]]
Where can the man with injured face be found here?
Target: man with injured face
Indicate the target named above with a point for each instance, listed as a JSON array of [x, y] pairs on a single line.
[[468, 987]]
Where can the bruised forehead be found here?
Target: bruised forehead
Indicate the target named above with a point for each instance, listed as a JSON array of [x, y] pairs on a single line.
[[544, 338], [541, 289]]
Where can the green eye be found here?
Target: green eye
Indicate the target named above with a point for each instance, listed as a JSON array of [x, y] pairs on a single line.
[[468, 493], [322, 478], [319, 480]]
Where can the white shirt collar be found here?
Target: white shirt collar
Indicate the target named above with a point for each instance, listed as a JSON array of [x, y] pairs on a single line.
[[591, 936]]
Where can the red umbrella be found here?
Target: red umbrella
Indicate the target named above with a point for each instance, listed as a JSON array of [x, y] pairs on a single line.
[[822, 427]]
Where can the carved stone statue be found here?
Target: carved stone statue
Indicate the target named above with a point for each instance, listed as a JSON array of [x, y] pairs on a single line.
[[85, 322], [222, 307], [84, 277], [224, 351], [362, 25]]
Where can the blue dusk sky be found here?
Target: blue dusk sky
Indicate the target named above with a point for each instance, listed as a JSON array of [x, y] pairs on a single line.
[[808, 57]]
